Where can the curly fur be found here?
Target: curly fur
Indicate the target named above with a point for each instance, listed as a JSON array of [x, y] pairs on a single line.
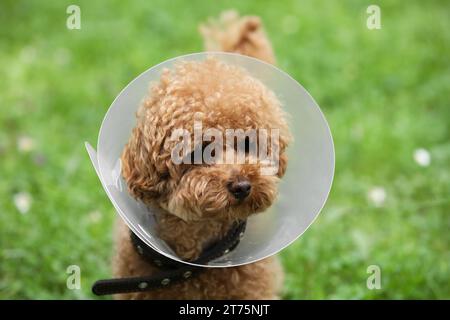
[[193, 204]]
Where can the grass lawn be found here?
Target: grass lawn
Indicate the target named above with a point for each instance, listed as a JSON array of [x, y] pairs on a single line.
[[385, 94]]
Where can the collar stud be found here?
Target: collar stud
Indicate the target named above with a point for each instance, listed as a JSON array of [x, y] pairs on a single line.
[[143, 285]]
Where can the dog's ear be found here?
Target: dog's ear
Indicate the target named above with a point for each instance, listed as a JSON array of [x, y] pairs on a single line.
[[285, 139], [144, 181], [282, 165]]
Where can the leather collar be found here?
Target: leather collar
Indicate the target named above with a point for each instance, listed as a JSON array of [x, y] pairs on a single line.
[[171, 271]]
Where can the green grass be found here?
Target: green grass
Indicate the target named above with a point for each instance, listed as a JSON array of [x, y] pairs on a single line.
[[385, 93]]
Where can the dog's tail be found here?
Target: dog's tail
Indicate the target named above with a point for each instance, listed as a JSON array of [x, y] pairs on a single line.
[[232, 33]]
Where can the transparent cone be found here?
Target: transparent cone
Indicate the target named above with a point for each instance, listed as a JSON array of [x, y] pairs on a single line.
[[303, 190]]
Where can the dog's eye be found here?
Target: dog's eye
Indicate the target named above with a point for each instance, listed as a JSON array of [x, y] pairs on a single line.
[[247, 144], [165, 175], [191, 156], [213, 151]]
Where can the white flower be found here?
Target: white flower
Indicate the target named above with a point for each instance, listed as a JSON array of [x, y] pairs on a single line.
[[72, 165], [28, 54], [62, 56], [25, 144], [377, 195], [22, 201], [94, 216], [422, 157]]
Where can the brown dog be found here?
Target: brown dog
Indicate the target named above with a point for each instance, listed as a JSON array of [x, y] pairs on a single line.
[[195, 203]]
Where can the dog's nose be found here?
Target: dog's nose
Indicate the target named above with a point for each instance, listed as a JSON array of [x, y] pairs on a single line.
[[240, 189]]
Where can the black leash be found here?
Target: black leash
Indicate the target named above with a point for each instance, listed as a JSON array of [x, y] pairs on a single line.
[[172, 271]]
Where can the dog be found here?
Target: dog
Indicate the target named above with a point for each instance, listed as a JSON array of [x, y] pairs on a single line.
[[196, 204]]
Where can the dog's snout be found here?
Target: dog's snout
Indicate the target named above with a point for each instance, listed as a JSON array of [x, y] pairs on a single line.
[[240, 189]]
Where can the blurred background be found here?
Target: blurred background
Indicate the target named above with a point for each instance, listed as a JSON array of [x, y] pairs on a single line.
[[385, 94]]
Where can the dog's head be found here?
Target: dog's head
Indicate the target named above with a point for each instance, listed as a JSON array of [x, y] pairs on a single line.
[[223, 115]]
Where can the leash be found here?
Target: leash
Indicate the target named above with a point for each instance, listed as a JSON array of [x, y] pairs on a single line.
[[172, 271]]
